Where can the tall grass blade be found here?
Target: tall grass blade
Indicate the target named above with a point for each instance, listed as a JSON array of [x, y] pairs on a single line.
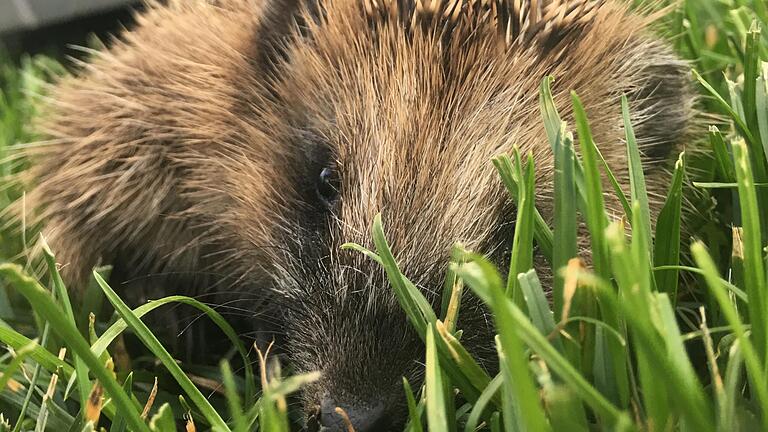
[[416, 307], [81, 371], [542, 232], [595, 213], [154, 345], [66, 329], [40, 355], [749, 94], [617, 188], [118, 422], [468, 377], [520, 390], [100, 346], [754, 264], [474, 275], [723, 158], [553, 124], [414, 414], [668, 228], [696, 407], [733, 384], [737, 119], [761, 101], [538, 306], [521, 259], [757, 374], [566, 223], [163, 420], [482, 403], [436, 403], [638, 190], [233, 398]]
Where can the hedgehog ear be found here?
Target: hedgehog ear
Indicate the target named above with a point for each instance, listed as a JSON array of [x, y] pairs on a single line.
[[282, 22]]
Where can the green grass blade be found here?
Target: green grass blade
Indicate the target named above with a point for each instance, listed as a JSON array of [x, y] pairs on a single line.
[[39, 354], [462, 358], [414, 415], [733, 384], [437, 419], [553, 125], [736, 291], [668, 226], [629, 270], [477, 413], [566, 412], [484, 280], [596, 220], [510, 408], [761, 100], [552, 120], [100, 346], [754, 264], [151, 342], [737, 119], [751, 357], [617, 189], [521, 258], [638, 190], [416, 307], [692, 392], [538, 305], [13, 366], [81, 371], [163, 420], [233, 398], [292, 384], [559, 364], [465, 374], [118, 422], [595, 214], [723, 159], [66, 329], [57, 365], [542, 232], [749, 94], [453, 289], [565, 213], [734, 93]]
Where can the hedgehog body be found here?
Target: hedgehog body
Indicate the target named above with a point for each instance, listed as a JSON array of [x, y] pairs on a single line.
[[233, 146]]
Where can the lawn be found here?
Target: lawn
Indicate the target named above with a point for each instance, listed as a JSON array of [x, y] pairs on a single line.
[[666, 330]]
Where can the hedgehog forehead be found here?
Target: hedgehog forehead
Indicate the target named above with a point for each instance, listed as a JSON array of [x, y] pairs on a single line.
[[541, 22], [374, 49], [515, 19]]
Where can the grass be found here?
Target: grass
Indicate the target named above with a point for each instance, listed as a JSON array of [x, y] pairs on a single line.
[[622, 346]]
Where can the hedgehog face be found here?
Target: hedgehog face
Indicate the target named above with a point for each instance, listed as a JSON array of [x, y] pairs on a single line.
[[388, 156], [387, 129], [402, 117]]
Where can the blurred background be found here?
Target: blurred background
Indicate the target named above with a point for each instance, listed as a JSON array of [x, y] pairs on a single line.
[[48, 26]]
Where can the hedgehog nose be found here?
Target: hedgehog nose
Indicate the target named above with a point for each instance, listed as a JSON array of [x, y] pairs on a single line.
[[362, 417]]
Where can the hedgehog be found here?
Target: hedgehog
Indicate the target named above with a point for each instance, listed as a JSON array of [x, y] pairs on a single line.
[[231, 147]]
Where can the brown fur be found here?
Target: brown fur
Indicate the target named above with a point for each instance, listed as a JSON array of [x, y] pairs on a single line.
[[192, 146]]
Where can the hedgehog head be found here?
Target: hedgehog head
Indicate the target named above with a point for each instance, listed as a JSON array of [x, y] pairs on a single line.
[[397, 107]]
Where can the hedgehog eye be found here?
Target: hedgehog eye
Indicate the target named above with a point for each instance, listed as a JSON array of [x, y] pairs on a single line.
[[328, 186]]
